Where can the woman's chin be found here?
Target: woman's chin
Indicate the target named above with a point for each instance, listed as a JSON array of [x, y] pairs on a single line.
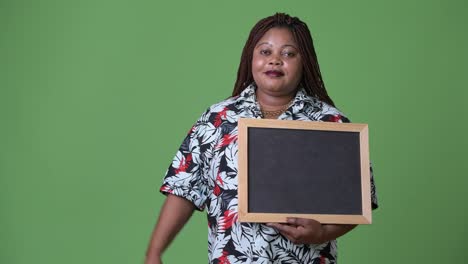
[[276, 90]]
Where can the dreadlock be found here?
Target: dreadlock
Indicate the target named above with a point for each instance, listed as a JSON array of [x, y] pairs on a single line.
[[311, 78]]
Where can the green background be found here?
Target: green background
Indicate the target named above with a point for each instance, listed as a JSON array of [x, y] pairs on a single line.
[[97, 95]]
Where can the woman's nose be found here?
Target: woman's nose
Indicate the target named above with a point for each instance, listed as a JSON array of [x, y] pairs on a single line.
[[275, 60]]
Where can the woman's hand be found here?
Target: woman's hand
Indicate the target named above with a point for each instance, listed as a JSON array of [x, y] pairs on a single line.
[[309, 231], [301, 230]]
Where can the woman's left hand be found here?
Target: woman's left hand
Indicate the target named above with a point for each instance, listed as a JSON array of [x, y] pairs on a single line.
[[301, 230]]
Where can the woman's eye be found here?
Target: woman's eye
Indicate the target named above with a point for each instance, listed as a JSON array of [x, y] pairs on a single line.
[[289, 54], [265, 52]]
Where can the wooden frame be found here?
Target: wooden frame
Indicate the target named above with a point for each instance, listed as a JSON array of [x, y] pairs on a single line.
[[363, 217]]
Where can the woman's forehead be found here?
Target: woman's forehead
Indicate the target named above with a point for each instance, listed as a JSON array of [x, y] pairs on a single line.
[[277, 36]]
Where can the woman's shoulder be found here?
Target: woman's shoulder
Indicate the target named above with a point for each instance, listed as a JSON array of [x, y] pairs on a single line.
[[323, 111], [224, 107]]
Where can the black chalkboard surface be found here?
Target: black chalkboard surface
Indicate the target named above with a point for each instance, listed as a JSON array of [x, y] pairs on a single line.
[[303, 169]]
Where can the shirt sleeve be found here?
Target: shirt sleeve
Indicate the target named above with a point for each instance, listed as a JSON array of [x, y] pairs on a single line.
[[184, 177], [340, 118]]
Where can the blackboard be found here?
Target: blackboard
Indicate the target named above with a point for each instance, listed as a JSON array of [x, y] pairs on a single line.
[[316, 170]]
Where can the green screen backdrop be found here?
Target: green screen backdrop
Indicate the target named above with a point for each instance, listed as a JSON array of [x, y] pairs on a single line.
[[96, 97]]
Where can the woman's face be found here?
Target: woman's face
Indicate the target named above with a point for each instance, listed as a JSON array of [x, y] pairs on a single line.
[[276, 63]]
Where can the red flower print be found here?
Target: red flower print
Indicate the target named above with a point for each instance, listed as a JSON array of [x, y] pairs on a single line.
[[335, 118], [225, 222], [223, 259], [217, 190], [191, 129], [219, 179], [226, 140], [165, 189], [219, 117], [184, 164]]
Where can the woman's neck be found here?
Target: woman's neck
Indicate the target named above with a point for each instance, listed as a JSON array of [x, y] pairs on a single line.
[[273, 106], [273, 101]]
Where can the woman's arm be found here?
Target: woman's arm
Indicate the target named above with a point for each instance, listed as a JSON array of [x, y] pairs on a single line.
[[309, 231], [174, 214]]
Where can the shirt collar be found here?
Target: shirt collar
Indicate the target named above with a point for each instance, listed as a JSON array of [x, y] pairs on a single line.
[[247, 103], [303, 97], [249, 99], [248, 95]]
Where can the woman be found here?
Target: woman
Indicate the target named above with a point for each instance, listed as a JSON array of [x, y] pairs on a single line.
[[278, 77]]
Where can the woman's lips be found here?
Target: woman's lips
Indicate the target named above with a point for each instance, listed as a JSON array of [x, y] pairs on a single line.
[[274, 73]]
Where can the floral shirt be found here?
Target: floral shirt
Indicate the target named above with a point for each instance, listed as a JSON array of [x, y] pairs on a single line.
[[204, 171]]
